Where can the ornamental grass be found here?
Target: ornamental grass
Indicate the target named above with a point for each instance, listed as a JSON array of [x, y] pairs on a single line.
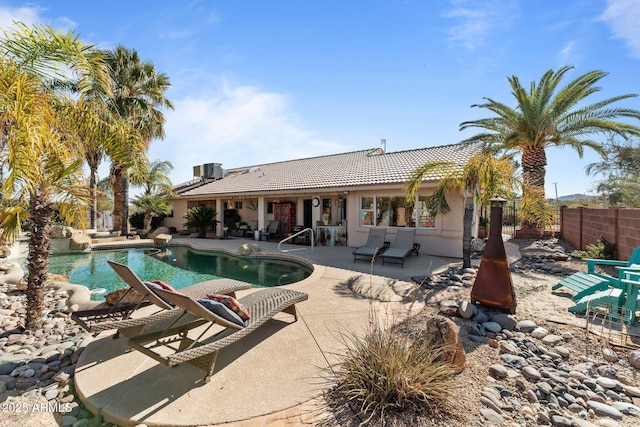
[[386, 372]]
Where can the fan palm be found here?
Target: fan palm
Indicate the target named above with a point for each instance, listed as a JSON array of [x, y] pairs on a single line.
[[482, 178], [156, 186], [44, 160], [138, 98], [549, 115]]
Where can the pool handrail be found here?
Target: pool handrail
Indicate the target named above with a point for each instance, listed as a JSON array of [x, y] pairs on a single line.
[[310, 230]]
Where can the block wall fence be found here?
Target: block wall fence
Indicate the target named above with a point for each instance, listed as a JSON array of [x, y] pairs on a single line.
[[619, 225]]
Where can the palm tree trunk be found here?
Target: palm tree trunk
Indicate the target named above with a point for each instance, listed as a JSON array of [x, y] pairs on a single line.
[[146, 223], [93, 193], [466, 232], [125, 206], [534, 168], [116, 176], [38, 258], [93, 161]]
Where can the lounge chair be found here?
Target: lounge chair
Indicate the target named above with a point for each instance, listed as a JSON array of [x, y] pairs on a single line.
[[621, 302], [592, 281], [375, 244], [174, 346], [403, 247], [271, 230], [119, 316]]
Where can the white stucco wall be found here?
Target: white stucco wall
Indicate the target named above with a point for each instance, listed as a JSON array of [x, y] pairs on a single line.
[[443, 240], [179, 211]]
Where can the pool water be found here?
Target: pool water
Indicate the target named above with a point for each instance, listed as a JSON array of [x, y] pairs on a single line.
[[179, 266]]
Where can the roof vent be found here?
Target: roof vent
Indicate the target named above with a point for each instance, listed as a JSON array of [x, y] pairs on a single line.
[[375, 152]]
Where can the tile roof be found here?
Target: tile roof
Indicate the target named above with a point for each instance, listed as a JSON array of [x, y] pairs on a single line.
[[357, 168]]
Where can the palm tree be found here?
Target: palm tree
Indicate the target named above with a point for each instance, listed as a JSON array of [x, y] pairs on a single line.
[[157, 186], [44, 159], [201, 218], [101, 133], [138, 97], [549, 115], [482, 178]]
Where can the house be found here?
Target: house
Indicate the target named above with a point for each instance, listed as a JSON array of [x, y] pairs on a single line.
[[339, 196]]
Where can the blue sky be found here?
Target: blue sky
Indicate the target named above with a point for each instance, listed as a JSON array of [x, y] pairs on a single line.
[[263, 81]]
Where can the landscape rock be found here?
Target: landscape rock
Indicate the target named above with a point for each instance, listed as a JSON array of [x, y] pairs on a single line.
[[634, 359], [79, 242], [161, 239], [444, 333]]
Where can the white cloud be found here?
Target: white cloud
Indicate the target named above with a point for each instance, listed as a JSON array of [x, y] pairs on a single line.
[[623, 17], [475, 21], [26, 15], [236, 126], [31, 16], [567, 54]]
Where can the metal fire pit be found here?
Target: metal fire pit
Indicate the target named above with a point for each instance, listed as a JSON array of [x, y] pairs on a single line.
[[493, 286]]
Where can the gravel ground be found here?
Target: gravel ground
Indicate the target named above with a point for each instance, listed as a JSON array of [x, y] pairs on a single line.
[[532, 278]]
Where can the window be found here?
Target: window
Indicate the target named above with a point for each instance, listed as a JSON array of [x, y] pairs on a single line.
[[269, 207], [238, 205], [366, 210], [425, 218], [393, 211]]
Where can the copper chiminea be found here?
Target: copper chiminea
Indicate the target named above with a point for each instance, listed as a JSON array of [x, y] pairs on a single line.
[[493, 286]]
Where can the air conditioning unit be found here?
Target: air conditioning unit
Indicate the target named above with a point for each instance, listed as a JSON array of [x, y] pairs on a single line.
[[213, 170], [198, 171]]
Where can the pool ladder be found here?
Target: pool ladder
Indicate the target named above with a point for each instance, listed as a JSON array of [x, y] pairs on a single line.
[[309, 230]]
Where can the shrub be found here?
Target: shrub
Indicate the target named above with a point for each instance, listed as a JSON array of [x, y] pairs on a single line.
[[385, 371], [602, 249], [136, 220], [201, 218]]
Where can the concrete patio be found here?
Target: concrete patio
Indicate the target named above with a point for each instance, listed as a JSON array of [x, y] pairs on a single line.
[[271, 377]]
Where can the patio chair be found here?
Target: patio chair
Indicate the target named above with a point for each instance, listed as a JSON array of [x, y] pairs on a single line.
[[589, 282], [375, 244], [172, 345], [403, 247], [119, 316], [271, 230]]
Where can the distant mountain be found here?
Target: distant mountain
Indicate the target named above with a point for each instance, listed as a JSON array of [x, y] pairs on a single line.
[[572, 197]]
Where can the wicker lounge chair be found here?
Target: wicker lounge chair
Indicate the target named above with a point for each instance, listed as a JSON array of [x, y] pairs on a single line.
[[375, 244], [119, 316], [403, 247], [202, 351]]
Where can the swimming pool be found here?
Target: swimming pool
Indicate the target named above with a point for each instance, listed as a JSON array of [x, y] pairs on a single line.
[[179, 266]]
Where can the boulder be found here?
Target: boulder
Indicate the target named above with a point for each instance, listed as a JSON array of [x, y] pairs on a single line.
[[477, 245], [131, 297], [161, 239], [443, 333], [10, 272], [245, 250], [61, 232], [79, 242], [634, 359], [159, 230], [5, 251]]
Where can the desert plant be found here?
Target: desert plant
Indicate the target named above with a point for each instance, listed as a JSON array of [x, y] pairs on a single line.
[[383, 371], [200, 218], [602, 249], [535, 210]]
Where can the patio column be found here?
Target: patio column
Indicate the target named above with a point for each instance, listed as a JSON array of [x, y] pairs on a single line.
[[262, 212], [220, 218]]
